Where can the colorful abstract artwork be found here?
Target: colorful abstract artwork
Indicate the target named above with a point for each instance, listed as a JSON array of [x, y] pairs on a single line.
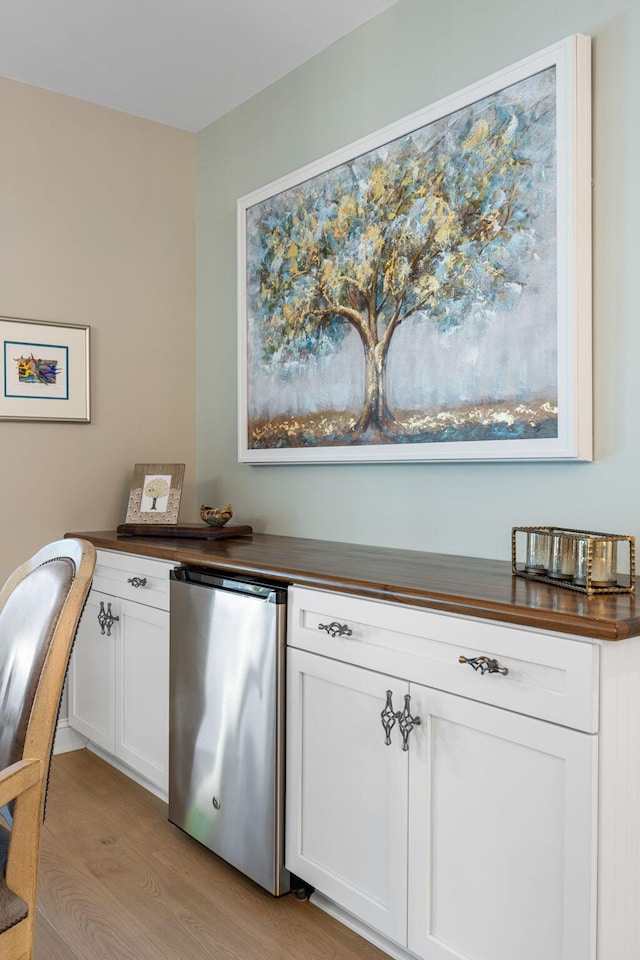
[[36, 371], [31, 370], [407, 301], [45, 371]]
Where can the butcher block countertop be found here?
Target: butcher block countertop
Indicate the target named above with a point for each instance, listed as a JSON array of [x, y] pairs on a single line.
[[467, 586]]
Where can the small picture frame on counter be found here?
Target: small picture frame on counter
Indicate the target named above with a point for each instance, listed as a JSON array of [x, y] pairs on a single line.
[[155, 493]]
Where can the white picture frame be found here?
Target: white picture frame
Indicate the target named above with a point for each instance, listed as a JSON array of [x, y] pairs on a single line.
[[44, 371], [270, 372]]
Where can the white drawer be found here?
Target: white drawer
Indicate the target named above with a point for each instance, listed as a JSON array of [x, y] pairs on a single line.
[[126, 575], [551, 676]]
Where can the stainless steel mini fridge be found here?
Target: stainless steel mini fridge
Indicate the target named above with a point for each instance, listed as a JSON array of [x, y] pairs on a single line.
[[226, 726]]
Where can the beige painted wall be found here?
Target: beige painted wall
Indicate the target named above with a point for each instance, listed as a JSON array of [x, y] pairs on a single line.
[[96, 227]]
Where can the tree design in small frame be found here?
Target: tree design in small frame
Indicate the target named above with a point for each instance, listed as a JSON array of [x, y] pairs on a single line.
[[155, 493]]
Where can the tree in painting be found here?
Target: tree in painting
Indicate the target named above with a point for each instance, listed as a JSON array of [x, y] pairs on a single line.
[[156, 489], [430, 226]]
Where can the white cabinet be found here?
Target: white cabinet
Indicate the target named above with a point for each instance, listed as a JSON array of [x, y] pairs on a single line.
[[119, 675], [346, 791], [479, 841], [92, 676], [142, 690], [501, 848]]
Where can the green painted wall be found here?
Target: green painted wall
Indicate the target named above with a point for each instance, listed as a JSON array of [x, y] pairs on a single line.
[[410, 56]]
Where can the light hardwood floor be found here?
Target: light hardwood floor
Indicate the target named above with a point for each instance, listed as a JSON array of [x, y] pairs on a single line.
[[119, 882]]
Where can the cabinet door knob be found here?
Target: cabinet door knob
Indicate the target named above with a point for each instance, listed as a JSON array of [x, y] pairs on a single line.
[[137, 581], [406, 722], [388, 717], [336, 629], [106, 619], [484, 665]]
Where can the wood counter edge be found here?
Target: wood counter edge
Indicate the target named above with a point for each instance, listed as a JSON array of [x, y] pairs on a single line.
[[579, 625]]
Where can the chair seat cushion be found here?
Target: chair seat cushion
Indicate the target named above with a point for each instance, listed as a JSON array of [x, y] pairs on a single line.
[[13, 909]]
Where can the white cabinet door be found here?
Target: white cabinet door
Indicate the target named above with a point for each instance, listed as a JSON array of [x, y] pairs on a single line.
[[502, 834], [119, 683], [142, 685], [346, 830], [92, 675]]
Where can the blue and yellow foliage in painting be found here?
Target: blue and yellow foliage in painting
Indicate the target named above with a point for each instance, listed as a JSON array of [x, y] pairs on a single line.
[[392, 257]]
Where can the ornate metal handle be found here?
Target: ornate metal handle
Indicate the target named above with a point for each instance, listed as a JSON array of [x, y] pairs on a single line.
[[336, 629], [106, 619], [137, 581], [406, 722], [484, 665], [388, 717]]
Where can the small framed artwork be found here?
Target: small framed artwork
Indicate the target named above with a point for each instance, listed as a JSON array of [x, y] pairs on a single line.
[[155, 494], [45, 370]]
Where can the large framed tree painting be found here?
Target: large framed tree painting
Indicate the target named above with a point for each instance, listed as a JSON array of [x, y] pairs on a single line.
[[424, 294]]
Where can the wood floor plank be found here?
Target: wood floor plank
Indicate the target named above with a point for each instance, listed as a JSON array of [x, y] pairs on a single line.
[[275, 921], [87, 917], [118, 880], [185, 919], [49, 944]]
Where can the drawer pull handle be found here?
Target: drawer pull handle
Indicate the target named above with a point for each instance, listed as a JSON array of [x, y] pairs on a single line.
[[106, 619], [406, 722], [137, 581], [336, 629], [388, 717], [484, 665]]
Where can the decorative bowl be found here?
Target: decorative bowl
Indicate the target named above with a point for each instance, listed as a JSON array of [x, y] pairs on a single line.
[[216, 516]]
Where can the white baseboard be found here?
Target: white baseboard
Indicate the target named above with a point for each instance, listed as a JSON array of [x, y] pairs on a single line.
[[132, 774], [67, 739], [393, 949]]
